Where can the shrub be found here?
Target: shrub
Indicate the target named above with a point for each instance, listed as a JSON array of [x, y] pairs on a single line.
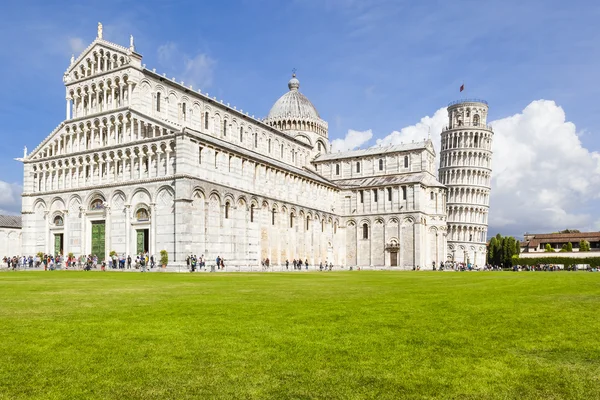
[[164, 257], [112, 253], [584, 245]]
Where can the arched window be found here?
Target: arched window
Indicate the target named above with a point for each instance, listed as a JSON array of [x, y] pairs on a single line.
[[281, 150], [142, 214], [319, 146], [158, 101], [403, 192], [273, 217], [358, 166], [322, 225], [337, 169], [405, 161], [269, 145], [255, 139], [252, 213], [431, 195], [307, 223], [476, 120], [375, 192], [224, 127], [365, 229], [335, 228], [206, 120], [362, 196], [381, 164], [227, 210], [183, 111], [58, 221], [241, 133], [389, 190], [291, 220]]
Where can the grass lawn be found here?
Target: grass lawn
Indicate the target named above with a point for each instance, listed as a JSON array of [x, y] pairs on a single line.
[[340, 335]]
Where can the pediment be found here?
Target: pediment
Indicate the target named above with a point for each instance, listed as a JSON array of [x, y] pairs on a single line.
[[100, 56], [38, 152]]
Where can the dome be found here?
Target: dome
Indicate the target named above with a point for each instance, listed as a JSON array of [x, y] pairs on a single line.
[[293, 104]]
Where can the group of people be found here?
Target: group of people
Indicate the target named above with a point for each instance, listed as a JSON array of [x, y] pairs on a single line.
[[85, 262], [298, 264]]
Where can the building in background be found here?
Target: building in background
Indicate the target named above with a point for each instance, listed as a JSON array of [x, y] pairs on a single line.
[[10, 236]]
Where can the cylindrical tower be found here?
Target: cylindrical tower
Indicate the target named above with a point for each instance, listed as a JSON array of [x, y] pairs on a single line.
[[466, 169]]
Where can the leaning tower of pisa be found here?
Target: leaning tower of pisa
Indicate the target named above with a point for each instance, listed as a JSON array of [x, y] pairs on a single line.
[[466, 168]]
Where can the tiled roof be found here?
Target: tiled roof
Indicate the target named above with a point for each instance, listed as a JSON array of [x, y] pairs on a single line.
[[10, 221], [373, 151], [536, 239], [390, 180]]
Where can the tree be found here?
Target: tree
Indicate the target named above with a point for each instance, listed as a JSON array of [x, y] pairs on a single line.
[[570, 231], [584, 245], [501, 250], [567, 248], [492, 250], [548, 248]]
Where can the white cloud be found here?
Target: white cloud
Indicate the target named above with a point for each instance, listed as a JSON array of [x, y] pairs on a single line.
[[352, 140], [10, 198], [543, 179], [427, 126], [76, 45], [195, 70]]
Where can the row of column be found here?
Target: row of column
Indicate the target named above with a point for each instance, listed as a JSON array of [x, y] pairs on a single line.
[[473, 216], [100, 136], [98, 100], [457, 160], [469, 196], [104, 171]]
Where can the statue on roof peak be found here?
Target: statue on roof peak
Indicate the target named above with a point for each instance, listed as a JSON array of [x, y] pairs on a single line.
[[99, 30]]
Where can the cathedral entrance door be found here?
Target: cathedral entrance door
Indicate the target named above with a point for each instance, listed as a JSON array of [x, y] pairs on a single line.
[[58, 243], [98, 244], [142, 241], [393, 258]]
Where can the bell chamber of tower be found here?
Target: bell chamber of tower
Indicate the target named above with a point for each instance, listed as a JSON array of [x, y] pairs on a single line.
[[465, 169]]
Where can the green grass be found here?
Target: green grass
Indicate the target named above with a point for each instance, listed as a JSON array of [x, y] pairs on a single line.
[[344, 335]]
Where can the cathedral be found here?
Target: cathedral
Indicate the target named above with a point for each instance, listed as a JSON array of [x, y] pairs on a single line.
[[143, 163]]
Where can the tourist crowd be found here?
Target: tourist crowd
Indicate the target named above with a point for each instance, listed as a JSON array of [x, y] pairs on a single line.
[[84, 262]]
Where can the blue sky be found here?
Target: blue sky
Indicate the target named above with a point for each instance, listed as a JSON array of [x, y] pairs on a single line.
[[366, 65]]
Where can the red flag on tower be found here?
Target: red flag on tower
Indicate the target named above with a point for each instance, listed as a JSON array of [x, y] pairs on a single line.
[[462, 87]]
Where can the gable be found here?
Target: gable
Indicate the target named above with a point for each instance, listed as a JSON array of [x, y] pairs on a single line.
[[99, 57]]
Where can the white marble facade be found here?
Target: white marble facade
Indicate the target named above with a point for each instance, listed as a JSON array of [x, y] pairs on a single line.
[[163, 166]]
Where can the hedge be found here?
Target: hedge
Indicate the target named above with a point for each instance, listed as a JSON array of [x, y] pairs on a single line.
[[566, 261]]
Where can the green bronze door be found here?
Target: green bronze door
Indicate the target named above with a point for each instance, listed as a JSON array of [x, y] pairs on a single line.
[[98, 229], [58, 245], [140, 241]]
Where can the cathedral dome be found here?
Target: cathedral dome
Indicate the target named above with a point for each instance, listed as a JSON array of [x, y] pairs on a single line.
[[293, 104]]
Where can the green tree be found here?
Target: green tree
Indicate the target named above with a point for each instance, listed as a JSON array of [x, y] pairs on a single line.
[[492, 250], [584, 245], [548, 248], [502, 249]]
